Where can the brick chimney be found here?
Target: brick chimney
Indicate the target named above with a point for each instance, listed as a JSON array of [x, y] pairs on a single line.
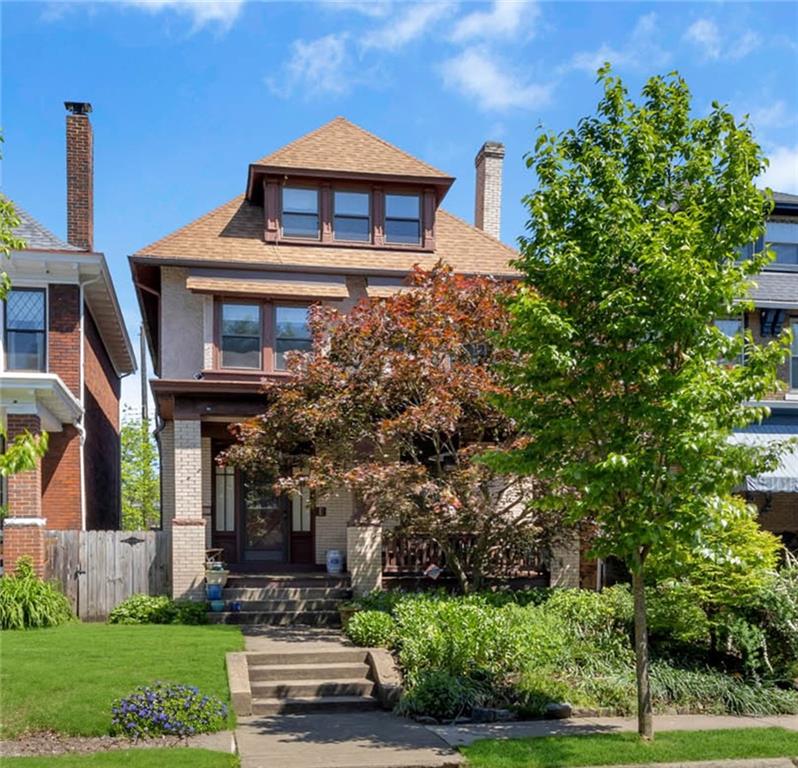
[[488, 203], [80, 175]]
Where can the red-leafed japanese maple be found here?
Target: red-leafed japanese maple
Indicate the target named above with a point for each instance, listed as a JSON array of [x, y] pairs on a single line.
[[395, 402]]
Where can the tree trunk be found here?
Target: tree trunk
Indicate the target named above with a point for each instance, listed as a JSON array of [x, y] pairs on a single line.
[[645, 726]]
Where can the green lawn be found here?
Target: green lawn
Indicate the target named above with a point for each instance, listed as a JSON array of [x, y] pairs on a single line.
[[130, 758], [620, 748], [65, 679]]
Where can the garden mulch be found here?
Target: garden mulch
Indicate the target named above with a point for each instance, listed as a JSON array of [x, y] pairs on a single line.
[[48, 743]]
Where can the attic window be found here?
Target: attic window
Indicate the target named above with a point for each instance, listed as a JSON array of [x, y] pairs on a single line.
[[403, 219], [351, 220], [301, 212]]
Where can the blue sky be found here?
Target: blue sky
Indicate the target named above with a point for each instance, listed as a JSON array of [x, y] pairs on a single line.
[[186, 94]]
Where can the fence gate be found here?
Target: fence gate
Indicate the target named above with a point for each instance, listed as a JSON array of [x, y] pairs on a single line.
[[99, 569]]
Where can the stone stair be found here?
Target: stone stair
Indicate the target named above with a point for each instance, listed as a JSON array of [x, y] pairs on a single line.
[[299, 682], [282, 600]]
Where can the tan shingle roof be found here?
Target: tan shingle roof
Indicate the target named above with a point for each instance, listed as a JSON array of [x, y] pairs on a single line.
[[233, 234], [343, 146]]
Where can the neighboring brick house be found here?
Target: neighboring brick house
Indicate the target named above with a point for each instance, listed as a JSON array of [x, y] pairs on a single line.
[[776, 298], [333, 217], [63, 351]]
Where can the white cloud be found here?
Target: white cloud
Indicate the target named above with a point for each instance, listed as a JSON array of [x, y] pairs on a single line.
[[775, 115], [705, 34], [316, 66], [202, 12], [494, 87], [782, 174], [640, 51], [414, 22], [373, 8], [504, 20]]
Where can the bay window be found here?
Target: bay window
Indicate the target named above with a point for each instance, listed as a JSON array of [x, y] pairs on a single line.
[[25, 335]]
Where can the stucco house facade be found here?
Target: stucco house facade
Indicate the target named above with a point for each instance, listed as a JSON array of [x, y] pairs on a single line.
[[333, 217], [63, 352]]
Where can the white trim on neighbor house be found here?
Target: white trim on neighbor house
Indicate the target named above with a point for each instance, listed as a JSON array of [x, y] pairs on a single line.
[[26, 522], [42, 394]]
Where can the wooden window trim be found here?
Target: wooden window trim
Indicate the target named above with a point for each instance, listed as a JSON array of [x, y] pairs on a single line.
[[366, 190], [322, 202]]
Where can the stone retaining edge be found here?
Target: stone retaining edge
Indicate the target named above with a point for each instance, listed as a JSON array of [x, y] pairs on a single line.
[[238, 682], [387, 677]]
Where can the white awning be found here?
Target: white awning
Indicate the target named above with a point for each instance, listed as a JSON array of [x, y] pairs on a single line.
[[783, 479]]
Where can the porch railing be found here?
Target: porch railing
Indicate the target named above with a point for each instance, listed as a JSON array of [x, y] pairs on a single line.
[[411, 554]]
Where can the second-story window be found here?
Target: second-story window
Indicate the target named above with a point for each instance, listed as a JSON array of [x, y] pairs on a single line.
[[241, 341], [301, 212], [351, 219], [403, 219], [291, 332], [25, 336]]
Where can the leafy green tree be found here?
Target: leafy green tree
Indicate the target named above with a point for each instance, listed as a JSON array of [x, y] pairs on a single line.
[[619, 384], [141, 506], [22, 453]]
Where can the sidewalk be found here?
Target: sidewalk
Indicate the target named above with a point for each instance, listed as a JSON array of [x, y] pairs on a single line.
[[461, 735]]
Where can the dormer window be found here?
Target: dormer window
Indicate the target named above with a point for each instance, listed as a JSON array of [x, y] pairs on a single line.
[[351, 216], [402, 219], [301, 212]]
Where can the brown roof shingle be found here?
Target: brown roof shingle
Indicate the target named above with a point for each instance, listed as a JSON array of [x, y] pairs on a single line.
[[343, 146], [233, 234]]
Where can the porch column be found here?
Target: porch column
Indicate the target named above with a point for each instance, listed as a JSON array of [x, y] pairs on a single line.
[[564, 565], [364, 557], [188, 526], [23, 529]]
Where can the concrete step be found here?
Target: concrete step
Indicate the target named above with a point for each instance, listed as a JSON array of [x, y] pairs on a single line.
[[251, 594], [292, 606], [282, 581], [277, 618], [303, 705], [341, 670], [316, 658], [301, 689]]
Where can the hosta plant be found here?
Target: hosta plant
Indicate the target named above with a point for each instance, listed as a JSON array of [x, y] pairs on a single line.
[[26, 601]]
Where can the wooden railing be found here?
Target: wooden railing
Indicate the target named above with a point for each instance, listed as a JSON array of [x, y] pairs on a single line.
[[411, 554]]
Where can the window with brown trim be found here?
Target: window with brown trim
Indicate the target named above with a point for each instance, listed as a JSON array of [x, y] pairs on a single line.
[[240, 335], [300, 214], [291, 332], [352, 216], [402, 219]]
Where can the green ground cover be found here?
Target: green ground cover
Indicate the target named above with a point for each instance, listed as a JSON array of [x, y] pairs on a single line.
[[626, 748], [66, 678], [177, 757]]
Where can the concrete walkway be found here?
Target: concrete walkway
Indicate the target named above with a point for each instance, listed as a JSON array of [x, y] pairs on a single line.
[[460, 735], [345, 740]]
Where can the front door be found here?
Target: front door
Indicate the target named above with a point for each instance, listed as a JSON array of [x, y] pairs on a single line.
[[265, 522], [303, 548]]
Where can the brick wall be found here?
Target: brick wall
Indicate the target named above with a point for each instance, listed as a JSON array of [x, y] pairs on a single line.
[[102, 448], [752, 321], [23, 535], [364, 557], [166, 445], [80, 181], [488, 200], [779, 513], [565, 561], [63, 337], [60, 474]]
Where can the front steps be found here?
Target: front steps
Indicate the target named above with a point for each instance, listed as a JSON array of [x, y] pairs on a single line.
[[300, 682], [283, 600]]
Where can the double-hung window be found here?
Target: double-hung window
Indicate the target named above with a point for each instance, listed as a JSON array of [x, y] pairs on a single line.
[[783, 240], [301, 212], [351, 216], [241, 339], [25, 335], [403, 219], [291, 332]]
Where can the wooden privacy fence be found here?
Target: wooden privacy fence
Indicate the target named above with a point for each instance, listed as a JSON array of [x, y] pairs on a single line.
[[99, 569]]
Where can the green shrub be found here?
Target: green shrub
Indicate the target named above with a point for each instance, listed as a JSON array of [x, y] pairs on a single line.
[[602, 617], [26, 601], [381, 600], [538, 688], [675, 616], [158, 609], [441, 695], [371, 629], [166, 709], [775, 610]]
